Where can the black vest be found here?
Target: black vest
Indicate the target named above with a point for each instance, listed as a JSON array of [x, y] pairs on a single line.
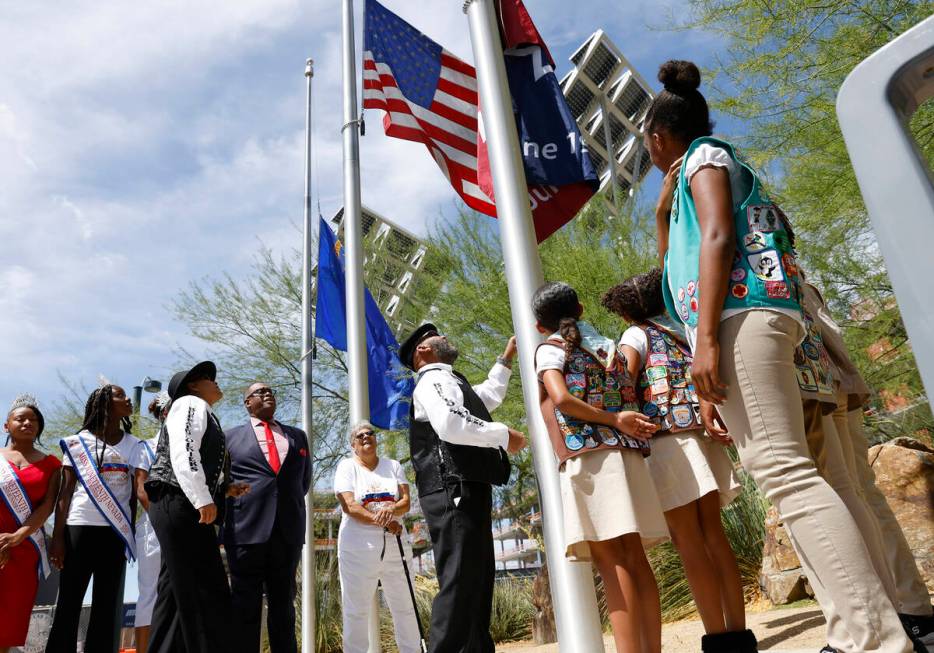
[[439, 464], [214, 462]]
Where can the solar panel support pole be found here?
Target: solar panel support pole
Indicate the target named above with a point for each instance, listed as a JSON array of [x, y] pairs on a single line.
[[359, 397], [308, 551], [572, 589], [610, 153]]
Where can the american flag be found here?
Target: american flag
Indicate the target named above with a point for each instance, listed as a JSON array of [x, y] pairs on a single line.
[[429, 96]]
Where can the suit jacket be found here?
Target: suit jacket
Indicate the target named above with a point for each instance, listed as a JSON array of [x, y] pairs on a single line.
[[272, 497]]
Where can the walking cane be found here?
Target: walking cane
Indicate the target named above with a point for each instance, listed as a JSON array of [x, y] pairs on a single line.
[[408, 579]]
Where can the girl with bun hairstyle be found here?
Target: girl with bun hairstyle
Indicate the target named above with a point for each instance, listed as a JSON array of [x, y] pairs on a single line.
[[730, 277], [600, 440], [693, 474]]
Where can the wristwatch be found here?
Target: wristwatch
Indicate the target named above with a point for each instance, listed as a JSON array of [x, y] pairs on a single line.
[[505, 362]]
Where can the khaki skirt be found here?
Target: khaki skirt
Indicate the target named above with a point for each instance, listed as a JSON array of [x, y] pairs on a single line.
[[606, 494], [688, 465]]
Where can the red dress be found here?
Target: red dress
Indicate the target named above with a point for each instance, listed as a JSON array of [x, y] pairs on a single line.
[[19, 578]]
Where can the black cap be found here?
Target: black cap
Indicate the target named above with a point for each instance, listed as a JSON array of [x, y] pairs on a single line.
[[407, 348], [180, 379]]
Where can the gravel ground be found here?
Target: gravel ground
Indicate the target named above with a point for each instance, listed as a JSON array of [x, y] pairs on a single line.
[[789, 630]]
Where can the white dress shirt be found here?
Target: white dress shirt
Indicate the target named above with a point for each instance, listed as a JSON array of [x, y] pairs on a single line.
[[282, 443], [438, 399], [186, 424]]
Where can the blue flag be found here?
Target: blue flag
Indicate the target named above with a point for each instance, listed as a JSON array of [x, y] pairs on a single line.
[[390, 383]]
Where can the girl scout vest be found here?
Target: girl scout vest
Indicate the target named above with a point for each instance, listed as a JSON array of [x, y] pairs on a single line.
[[667, 395], [764, 273], [607, 389], [813, 367]]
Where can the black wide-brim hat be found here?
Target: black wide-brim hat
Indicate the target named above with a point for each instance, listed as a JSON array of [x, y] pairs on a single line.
[[407, 348], [177, 386]]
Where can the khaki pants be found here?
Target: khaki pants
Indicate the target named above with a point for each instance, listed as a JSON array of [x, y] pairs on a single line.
[[765, 417], [912, 593]]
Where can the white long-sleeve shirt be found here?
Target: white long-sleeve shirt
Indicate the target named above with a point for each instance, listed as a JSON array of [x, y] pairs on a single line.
[[438, 399], [186, 424]]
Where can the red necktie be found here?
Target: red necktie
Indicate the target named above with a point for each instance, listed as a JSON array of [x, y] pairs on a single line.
[[272, 452]]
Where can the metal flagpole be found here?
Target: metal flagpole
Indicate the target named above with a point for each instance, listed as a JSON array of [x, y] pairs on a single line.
[[308, 551], [572, 587], [359, 398], [611, 154]]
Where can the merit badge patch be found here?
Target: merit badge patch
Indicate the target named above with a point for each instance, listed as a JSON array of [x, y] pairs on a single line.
[[612, 399], [755, 241], [738, 274], [659, 387], [658, 359], [806, 379], [682, 415], [595, 400], [694, 304], [656, 372], [762, 217], [576, 364], [683, 312], [739, 290], [629, 394], [608, 436], [680, 294], [576, 384], [692, 288], [765, 265], [650, 409], [790, 264], [777, 290], [574, 442]]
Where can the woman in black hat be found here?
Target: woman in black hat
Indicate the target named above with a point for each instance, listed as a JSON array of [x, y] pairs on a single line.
[[186, 485]]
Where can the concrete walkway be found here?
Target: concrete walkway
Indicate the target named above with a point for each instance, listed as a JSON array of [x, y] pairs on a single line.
[[791, 630]]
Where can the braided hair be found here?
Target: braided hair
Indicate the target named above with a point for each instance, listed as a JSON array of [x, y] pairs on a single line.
[[97, 411], [557, 307], [638, 298]]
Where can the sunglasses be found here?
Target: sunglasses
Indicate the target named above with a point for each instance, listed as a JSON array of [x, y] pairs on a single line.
[[260, 392], [363, 434]]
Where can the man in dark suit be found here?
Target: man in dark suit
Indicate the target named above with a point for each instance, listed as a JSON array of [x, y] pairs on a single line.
[[265, 529]]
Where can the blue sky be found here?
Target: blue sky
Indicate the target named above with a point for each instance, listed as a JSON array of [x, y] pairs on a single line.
[[147, 145]]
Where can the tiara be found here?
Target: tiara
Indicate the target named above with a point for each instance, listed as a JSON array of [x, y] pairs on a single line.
[[24, 401]]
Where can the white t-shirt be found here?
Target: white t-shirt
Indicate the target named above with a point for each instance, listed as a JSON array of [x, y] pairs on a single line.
[[144, 455], [549, 357], [740, 187], [373, 490], [636, 338], [116, 470]]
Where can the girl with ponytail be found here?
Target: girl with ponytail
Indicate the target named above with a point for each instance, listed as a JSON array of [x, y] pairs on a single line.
[[600, 439], [732, 281]]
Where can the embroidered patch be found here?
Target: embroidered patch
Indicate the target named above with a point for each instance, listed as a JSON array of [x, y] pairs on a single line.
[[608, 436], [595, 400], [738, 274], [576, 384], [765, 265], [591, 443], [650, 409], [629, 394], [660, 387], [810, 350], [657, 359], [806, 379], [680, 294], [682, 415], [777, 290], [762, 217], [658, 347], [755, 241], [692, 288], [694, 304], [612, 400], [683, 312], [656, 372], [576, 364], [574, 442], [739, 290], [790, 264]]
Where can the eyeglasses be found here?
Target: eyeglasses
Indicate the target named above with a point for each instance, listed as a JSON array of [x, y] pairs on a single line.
[[260, 392], [363, 434]]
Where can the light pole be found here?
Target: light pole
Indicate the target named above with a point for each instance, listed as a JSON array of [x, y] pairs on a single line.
[[149, 385]]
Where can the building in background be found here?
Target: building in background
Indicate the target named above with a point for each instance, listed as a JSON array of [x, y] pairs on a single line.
[[609, 100], [393, 261]]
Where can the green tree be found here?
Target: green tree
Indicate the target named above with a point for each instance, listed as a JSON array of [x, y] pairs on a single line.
[[778, 74]]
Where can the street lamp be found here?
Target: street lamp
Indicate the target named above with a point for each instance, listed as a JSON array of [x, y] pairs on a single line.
[[149, 385]]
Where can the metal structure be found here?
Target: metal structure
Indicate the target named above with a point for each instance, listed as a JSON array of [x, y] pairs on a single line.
[[572, 589], [308, 551], [609, 99], [874, 107], [401, 255]]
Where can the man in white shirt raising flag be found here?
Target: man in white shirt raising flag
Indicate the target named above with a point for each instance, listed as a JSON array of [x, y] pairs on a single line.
[[458, 453]]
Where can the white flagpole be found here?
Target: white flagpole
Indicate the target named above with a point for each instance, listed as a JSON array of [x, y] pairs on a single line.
[[572, 589], [359, 398], [308, 551]]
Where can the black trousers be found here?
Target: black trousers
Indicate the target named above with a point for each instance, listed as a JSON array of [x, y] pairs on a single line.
[[462, 542], [89, 551], [192, 612], [253, 567]]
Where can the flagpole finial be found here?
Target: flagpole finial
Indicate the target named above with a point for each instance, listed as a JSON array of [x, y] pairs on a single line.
[[467, 3], [309, 67]]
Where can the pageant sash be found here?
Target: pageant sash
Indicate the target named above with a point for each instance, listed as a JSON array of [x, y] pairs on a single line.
[[98, 491], [149, 453], [15, 497]]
